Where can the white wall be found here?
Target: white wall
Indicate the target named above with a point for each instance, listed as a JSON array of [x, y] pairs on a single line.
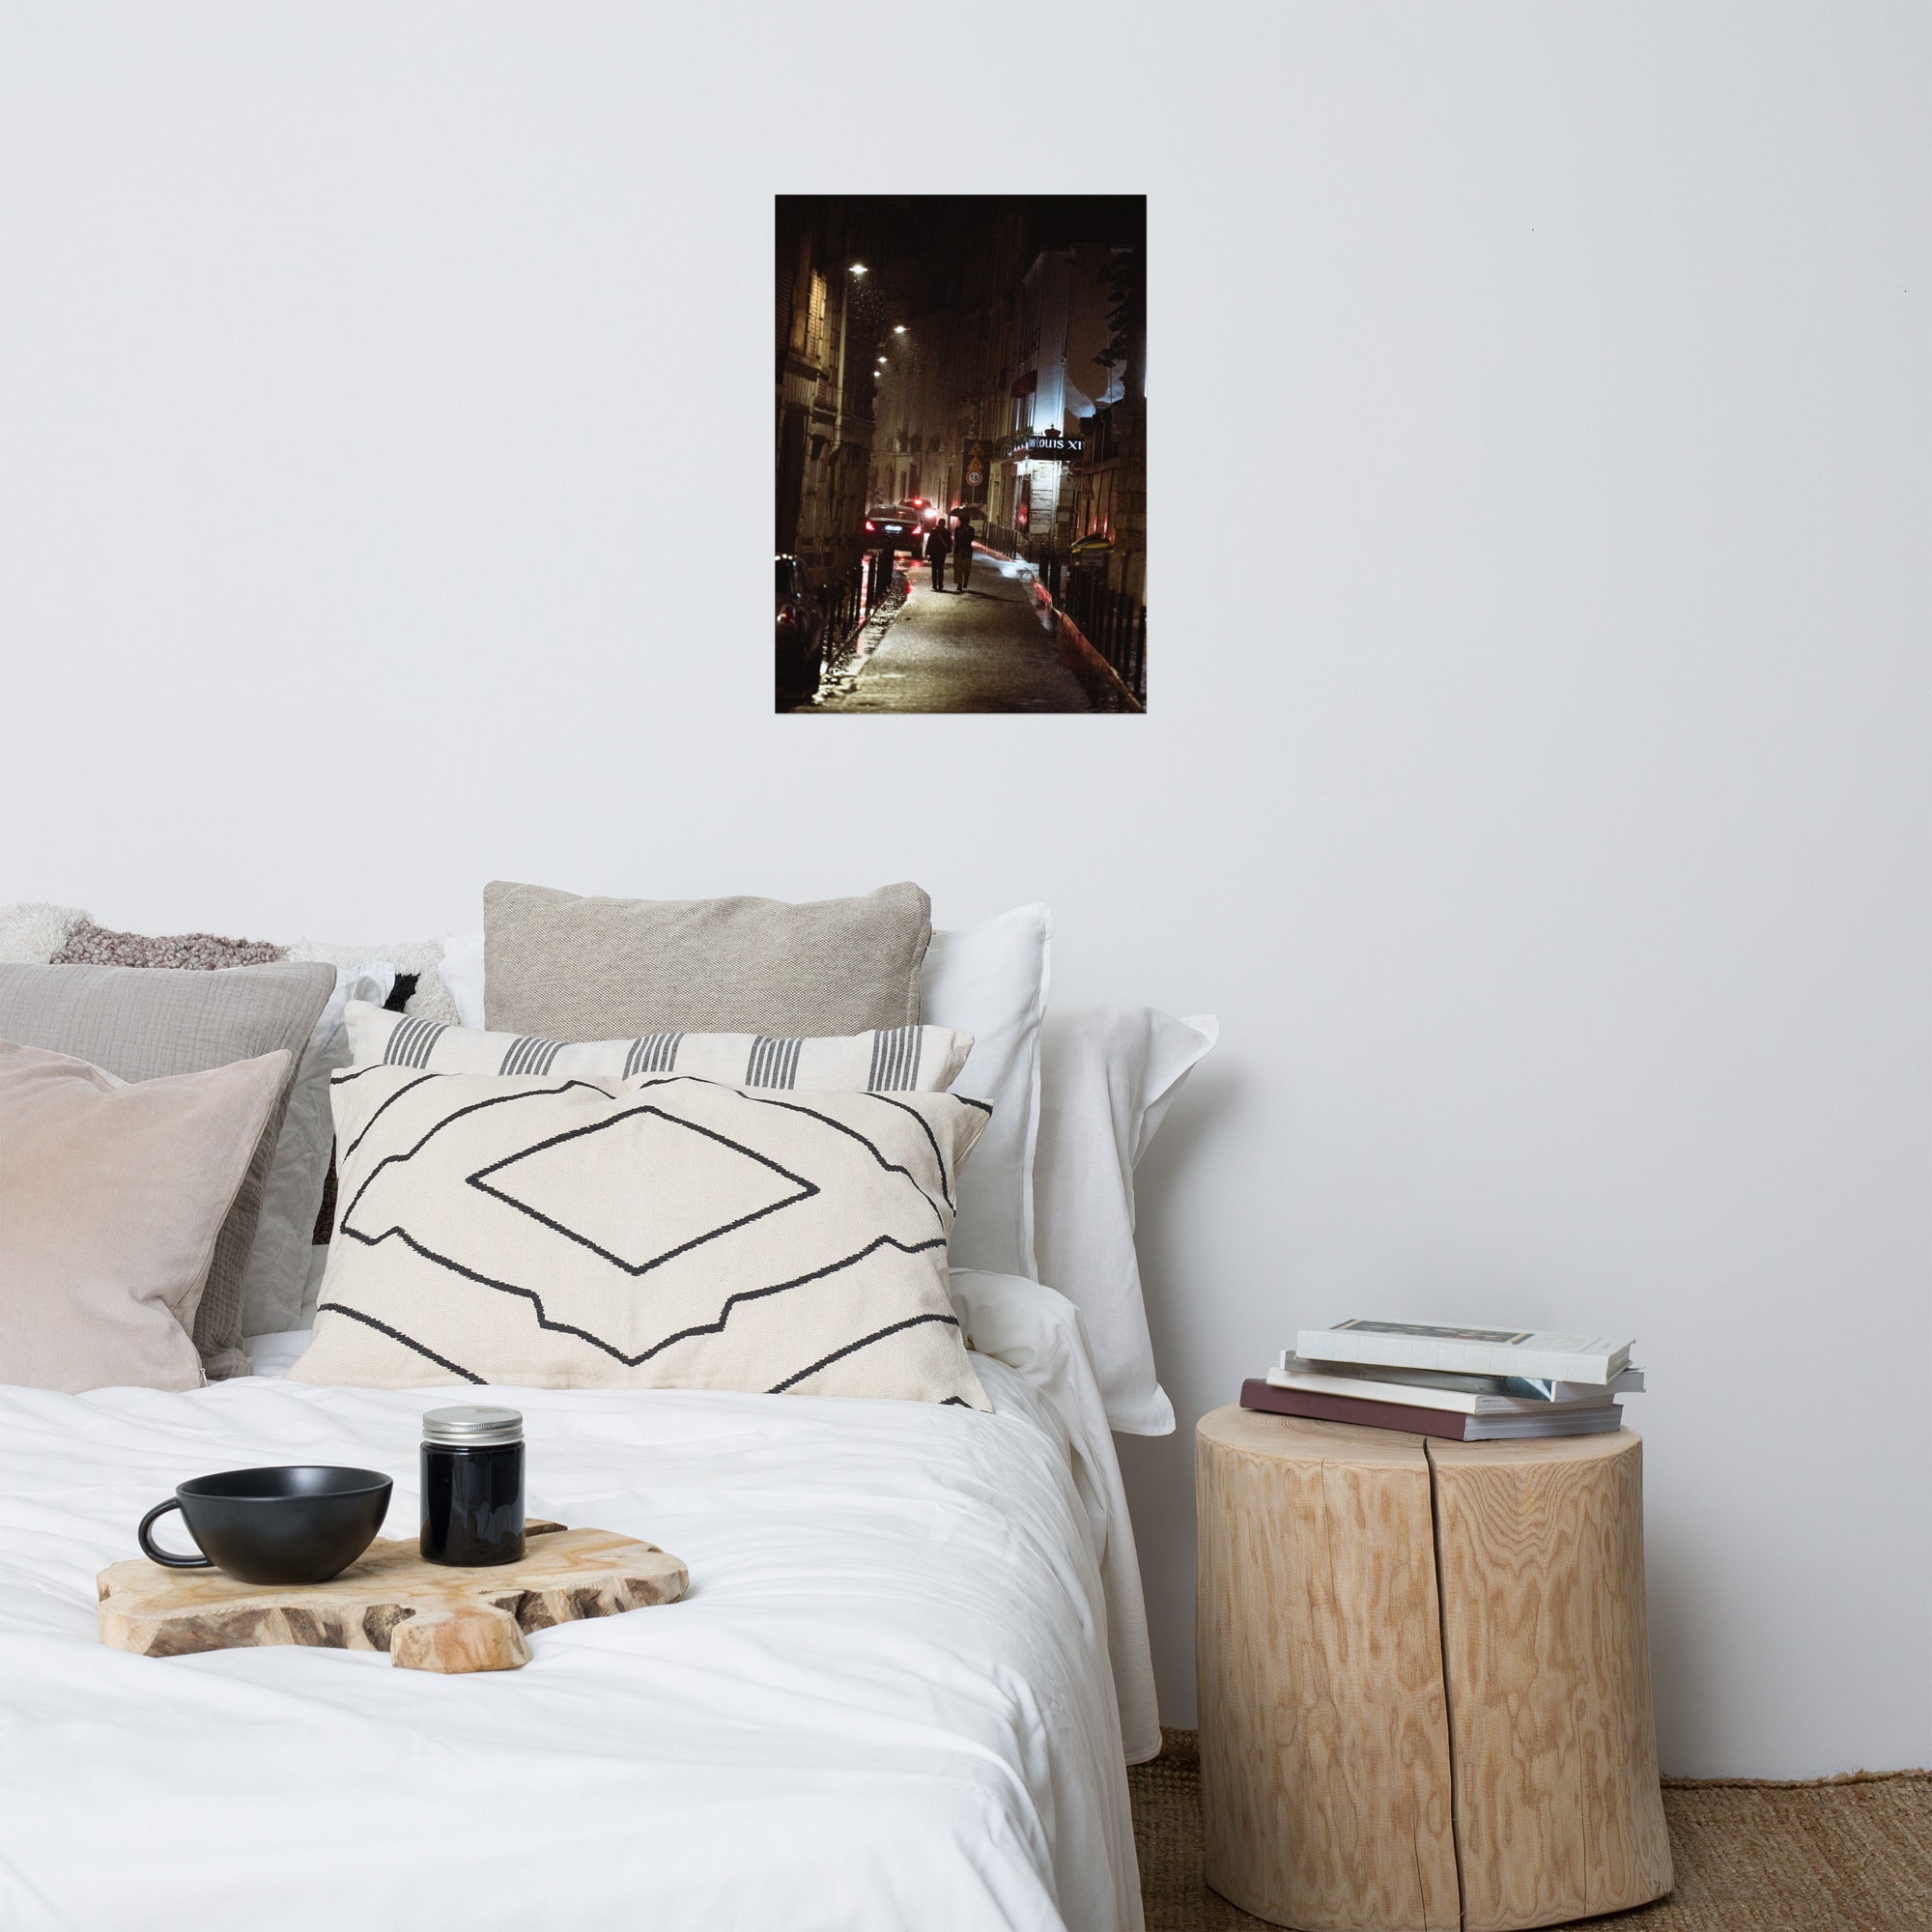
[[1537, 775]]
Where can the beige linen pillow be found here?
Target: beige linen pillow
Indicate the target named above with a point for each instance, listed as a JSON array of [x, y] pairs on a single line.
[[656, 1233], [141, 1025], [296, 1174], [112, 1195], [570, 968]]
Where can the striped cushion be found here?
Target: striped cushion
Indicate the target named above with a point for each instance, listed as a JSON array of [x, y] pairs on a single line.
[[896, 1060]]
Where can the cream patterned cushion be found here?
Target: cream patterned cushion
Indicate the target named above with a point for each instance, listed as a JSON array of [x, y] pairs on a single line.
[[894, 1059], [661, 1231]]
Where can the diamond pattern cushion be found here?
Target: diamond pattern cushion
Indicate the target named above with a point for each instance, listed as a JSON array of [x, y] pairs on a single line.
[[661, 1232]]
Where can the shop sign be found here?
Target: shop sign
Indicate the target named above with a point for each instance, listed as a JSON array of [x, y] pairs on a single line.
[[1048, 447]]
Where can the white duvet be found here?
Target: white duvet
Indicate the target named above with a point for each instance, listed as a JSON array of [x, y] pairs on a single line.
[[887, 1701]]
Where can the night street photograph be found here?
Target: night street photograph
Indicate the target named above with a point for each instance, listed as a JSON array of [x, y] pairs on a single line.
[[961, 453]]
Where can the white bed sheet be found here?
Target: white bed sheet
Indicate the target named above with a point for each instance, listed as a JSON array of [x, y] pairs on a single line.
[[886, 1702]]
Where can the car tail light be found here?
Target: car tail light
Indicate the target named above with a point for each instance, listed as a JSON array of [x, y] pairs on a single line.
[[870, 524]]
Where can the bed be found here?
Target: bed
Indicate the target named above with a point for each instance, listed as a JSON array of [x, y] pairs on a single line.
[[912, 1664], [902, 1691]]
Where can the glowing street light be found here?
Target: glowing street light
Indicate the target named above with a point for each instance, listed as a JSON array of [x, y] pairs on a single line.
[[856, 269], [899, 328]]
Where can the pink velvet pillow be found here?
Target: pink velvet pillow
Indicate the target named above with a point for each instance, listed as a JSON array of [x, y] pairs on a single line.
[[111, 1195]]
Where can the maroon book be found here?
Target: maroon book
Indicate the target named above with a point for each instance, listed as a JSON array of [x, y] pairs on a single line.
[[1564, 1419], [1257, 1394]]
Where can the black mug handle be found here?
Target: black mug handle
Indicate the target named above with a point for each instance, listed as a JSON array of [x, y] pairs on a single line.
[[153, 1551]]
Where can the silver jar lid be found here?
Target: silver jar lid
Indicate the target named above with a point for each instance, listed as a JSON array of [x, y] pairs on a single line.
[[473, 1427]]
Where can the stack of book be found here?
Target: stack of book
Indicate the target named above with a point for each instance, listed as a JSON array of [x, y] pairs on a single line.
[[1469, 1384]]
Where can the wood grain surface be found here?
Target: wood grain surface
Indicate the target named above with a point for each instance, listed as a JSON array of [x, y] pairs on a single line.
[[427, 1616], [1547, 1654], [1325, 1760]]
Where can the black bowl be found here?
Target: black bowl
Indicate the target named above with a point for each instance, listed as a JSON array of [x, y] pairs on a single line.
[[300, 1525]]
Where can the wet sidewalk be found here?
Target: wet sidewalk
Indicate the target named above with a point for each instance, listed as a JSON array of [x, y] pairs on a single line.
[[986, 648]]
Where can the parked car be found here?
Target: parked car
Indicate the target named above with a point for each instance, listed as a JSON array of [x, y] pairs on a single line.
[[801, 637], [893, 527]]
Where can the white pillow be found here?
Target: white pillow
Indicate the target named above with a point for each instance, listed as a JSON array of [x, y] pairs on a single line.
[[278, 1266], [1108, 1076], [990, 980], [461, 974]]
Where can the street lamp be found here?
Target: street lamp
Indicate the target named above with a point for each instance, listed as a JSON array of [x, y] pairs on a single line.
[[899, 328], [857, 269]]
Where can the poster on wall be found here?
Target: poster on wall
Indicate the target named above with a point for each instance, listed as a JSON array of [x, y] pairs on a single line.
[[961, 453]]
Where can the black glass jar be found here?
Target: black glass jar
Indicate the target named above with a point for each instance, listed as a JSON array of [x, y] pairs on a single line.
[[473, 1486]]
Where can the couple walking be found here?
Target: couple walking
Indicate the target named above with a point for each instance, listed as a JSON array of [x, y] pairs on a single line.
[[960, 543]]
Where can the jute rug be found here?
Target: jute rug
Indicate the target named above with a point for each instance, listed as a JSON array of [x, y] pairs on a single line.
[[1849, 1855]]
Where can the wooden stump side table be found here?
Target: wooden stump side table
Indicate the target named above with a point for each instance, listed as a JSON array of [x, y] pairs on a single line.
[[1424, 1676]]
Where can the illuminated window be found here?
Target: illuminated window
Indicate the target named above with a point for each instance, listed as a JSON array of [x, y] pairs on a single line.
[[814, 320]]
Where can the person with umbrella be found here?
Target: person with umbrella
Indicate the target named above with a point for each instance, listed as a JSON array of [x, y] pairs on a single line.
[[937, 544], [962, 551]]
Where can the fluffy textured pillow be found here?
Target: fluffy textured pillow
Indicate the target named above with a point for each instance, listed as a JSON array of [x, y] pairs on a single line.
[[91, 945], [657, 1233], [53, 935], [112, 1194], [422, 959], [990, 980], [570, 968], [908, 1059], [32, 932], [142, 1025], [1108, 1076]]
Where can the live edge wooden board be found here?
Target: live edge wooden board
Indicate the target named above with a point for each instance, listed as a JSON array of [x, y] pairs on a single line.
[[1425, 1677], [426, 1615]]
